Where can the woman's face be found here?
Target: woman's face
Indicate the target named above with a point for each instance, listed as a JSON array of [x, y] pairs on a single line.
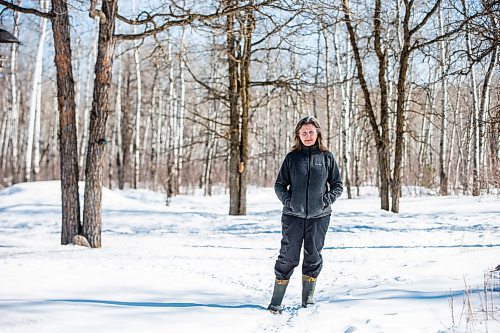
[[308, 135]]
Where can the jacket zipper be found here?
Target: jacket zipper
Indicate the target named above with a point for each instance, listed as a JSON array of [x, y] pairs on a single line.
[[307, 188]]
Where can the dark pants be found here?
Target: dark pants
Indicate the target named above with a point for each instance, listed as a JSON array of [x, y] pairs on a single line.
[[296, 230]]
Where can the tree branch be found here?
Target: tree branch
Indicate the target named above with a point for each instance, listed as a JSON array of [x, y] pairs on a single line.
[[181, 20], [25, 10], [94, 12], [418, 45], [426, 18]]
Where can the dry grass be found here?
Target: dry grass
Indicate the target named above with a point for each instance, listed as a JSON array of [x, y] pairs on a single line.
[[480, 306]]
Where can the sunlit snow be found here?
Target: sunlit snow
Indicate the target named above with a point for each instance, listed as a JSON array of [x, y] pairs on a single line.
[[190, 267]]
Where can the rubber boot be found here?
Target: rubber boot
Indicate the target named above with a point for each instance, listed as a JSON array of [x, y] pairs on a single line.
[[278, 294], [308, 285]]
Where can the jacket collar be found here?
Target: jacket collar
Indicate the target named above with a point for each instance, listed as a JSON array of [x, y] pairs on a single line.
[[310, 150]]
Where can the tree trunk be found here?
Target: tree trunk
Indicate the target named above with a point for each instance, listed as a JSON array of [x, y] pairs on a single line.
[[404, 57], [181, 114], [443, 172], [155, 131], [68, 146], [53, 156], [4, 140], [234, 147], [36, 136], [382, 141], [34, 108], [137, 161], [345, 113], [235, 131], [483, 106], [171, 142], [14, 104], [400, 110], [239, 86], [118, 129], [249, 26], [87, 106], [475, 111], [127, 128], [317, 73], [92, 209], [329, 134]]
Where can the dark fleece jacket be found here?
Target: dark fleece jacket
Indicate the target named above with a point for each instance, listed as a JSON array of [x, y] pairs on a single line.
[[308, 183]]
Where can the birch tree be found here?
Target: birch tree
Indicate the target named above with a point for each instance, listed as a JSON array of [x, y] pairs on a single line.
[[443, 169], [138, 104], [345, 89], [87, 107], [484, 109], [35, 105], [180, 113]]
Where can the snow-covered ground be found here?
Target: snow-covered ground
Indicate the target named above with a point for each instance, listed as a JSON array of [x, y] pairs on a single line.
[[192, 268]]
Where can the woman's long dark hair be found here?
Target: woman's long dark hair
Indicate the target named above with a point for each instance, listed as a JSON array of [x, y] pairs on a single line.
[[297, 144]]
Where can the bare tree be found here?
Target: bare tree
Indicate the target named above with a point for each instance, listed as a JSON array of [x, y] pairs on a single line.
[[35, 103], [239, 43], [59, 17], [409, 33], [380, 132], [185, 126], [87, 107], [138, 104], [92, 207], [443, 172]]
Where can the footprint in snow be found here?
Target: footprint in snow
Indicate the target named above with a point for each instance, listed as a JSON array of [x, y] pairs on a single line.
[[350, 329]]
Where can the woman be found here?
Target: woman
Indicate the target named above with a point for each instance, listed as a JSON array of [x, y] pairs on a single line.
[[307, 184]]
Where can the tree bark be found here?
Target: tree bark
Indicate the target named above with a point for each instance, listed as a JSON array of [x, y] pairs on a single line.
[[14, 104], [475, 109], [443, 171], [68, 146], [483, 106], [181, 110], [34, 108], [382, 142], [400, 110], [239, 87], [118, 130], [127, 128], [138, 104], [249, 26], [97, 138], [327, 90], [87, 107], [346, 111], [234, 127], [404, 59]]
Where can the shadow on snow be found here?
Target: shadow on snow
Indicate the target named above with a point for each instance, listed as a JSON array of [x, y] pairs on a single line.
[[3, 304]]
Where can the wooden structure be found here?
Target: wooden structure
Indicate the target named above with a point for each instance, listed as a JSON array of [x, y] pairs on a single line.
[[6, 38]]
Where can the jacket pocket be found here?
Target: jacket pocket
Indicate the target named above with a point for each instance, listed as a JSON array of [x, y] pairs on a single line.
[[326, 203]]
